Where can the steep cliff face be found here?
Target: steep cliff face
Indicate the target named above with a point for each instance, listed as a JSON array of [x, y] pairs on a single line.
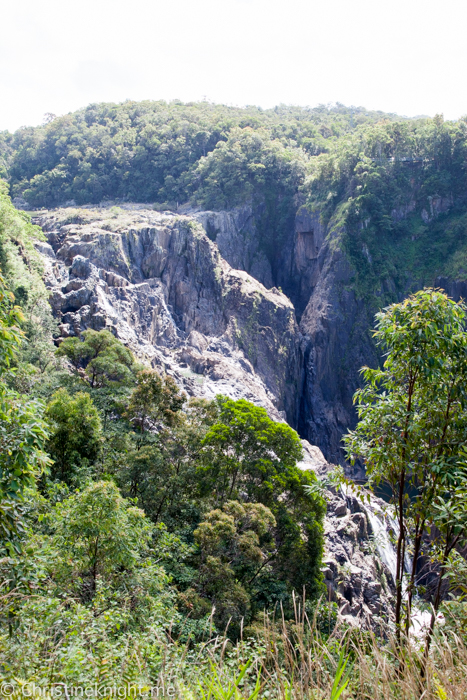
[[336, 344], [182, 291], [160, 284], [236, 236], [336, 293], [334, 327], [194, 294]]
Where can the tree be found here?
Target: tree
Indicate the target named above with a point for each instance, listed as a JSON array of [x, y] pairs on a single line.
[[99, 533], [245, 449], [10, 327], [23, 432], [93, 564], [75, 433], [104, 358], [235, 544], [449, 534], [23, 435], [249, 457], [160, 466], [413, 418], [154, 399]]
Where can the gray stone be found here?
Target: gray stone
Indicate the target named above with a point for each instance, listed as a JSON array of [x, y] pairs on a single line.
[[162, 285]]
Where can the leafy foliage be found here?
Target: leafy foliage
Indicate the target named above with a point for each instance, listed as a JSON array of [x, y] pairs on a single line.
[[23, 434], [98, 534], [413, 423], [103, 358], [150, 151], [236, 543], [75, 435], [385, 189], [247, 452], [22, 431], [154, 398]]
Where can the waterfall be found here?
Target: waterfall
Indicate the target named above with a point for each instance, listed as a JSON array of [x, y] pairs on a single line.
[[382, 523], [384, 546]]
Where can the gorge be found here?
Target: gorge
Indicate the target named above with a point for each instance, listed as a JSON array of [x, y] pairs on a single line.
[[195, 293], [163, 284], [243, 253]]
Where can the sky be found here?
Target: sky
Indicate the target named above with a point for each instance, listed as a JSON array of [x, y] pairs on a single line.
[[403, 56]]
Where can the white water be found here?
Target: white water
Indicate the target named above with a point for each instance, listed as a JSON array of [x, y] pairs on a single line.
[[385, 531], [382, 524], [384, 546]]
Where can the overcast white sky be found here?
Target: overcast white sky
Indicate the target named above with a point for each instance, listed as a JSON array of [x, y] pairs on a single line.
[[404, 56]]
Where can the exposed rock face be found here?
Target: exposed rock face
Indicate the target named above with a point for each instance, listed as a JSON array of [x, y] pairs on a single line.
[[357, 562], [160, 284], [237, 239], [336, 344], [334, 329], [167, 288]]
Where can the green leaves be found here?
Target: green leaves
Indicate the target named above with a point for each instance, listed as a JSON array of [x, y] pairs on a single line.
[[403, 406], [246, 449], [23, 432], [10, 332], [236, 545], [247, 456], [75, 433], [413, 421], [23, 435], [154, 399], [98, 532], [342, 677], [215, 687], [104, 358]]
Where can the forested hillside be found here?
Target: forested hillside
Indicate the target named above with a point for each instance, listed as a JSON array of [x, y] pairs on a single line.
[[154, 151], [380, 178], [125, 507], [150, 538]]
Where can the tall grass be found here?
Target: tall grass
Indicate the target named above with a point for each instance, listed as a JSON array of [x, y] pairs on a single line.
[[283, 659], [299, 663]]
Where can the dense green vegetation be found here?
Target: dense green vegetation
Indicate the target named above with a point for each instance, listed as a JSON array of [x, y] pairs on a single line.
[[411, 433], [378, 180], [163, 152], [127, 510], [399, 189], [143, 535]]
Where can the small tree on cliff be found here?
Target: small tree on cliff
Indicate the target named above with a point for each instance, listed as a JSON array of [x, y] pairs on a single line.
[[413, 419]]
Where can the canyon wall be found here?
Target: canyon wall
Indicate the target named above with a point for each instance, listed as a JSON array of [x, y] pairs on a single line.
[[333, 327], [160, 284], [197, 295]]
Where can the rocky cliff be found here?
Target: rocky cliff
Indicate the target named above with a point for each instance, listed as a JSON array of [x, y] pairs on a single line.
[[359, 561], [160, 284], [163, 284], [334, 311], [334, 327], [194, 293]]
